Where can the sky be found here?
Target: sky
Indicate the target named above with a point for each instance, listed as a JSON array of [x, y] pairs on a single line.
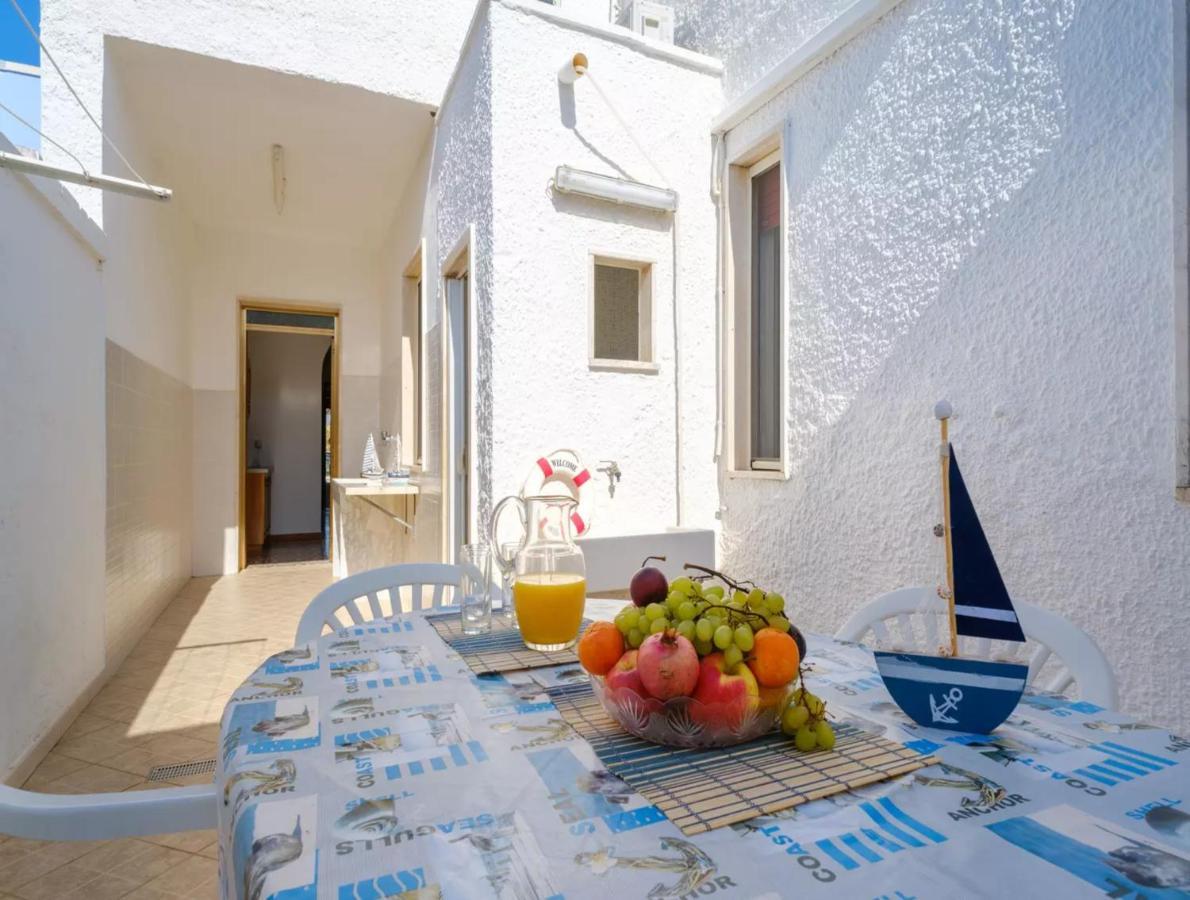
[[16, 44]]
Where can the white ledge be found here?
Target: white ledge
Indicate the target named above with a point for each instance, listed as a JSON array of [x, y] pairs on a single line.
[[854, 20], [617, 33]]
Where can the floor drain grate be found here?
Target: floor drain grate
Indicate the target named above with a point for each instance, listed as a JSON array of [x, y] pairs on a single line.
[[182, 770]]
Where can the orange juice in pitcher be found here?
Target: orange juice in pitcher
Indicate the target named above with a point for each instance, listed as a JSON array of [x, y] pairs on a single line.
[[549, 608], [550, 586]]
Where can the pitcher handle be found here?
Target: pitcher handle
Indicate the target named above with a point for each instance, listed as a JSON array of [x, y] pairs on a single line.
[[492, 527]]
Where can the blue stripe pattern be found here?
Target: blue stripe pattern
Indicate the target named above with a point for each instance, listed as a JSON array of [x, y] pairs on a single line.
[[395, 626], [419, 676], [895, 830], [394, 885], [1121, 764], [457, 756]]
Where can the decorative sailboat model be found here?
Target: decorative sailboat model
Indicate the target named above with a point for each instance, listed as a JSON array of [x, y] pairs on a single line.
[[946, 690]]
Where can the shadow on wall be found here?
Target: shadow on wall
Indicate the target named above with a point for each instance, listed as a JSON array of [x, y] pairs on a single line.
[[929, 139], [976, 228]]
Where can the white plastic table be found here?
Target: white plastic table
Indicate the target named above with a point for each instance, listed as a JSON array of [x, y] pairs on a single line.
[[371, 763]]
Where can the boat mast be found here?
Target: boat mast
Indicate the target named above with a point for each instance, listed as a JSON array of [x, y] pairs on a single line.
[[943, 412]]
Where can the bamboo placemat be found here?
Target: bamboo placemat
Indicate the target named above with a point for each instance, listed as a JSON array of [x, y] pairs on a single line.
[[500, 650], [703, 789]]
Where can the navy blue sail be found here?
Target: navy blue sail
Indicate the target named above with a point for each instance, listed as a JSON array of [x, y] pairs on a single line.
[[949, 692], [982, 605]]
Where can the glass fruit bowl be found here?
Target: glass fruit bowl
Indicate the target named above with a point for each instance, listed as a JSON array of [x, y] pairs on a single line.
[[690, 723]]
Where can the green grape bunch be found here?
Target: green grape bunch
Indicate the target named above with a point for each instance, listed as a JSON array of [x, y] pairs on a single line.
[[804, 720]]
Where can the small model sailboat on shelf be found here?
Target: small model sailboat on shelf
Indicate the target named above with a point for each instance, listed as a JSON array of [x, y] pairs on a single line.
[[948, 691]]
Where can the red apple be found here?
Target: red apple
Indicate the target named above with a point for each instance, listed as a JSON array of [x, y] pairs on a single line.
[[724, 697], [648, 585], [625, 676], [668, 665]]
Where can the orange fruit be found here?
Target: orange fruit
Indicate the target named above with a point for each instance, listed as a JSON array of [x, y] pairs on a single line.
[[600, 647], [774, 659]]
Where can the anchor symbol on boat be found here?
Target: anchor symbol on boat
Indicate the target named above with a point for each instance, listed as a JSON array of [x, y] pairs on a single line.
[[950, 701]]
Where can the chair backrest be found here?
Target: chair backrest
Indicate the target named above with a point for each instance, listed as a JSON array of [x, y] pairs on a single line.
[[93, 817], [380, 593], [914, 619]]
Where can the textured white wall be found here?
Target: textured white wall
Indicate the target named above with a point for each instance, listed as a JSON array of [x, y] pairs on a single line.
[[52, 495], [286, 418], [403, 48], [230, 265], [980, 208], [749, 36], [537, 388]]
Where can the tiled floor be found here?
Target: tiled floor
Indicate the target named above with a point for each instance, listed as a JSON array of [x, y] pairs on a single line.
[[162, 706], [286, 552]]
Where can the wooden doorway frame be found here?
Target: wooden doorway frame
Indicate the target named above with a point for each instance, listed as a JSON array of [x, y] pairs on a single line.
[[244, 304]]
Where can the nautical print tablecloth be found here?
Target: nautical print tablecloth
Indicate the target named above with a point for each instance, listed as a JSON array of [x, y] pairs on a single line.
[[371, 763]]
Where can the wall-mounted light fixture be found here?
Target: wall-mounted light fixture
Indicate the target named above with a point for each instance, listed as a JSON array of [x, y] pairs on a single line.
[[614, 190], [279, 180], [573, 69]]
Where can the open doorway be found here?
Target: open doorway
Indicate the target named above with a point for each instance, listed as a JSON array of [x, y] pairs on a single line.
[[288, 432]]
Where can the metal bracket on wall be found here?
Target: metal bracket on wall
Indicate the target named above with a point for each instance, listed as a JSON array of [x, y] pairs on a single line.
[[387, 512]]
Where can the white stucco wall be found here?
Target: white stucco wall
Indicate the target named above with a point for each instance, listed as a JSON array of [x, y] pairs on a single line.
[[542, 393], [749, 36], [405, 48], [980, 207], [52, 495], [228, 266]]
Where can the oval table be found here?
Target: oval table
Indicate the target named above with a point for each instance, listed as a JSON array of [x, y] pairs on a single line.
[[372, 763]]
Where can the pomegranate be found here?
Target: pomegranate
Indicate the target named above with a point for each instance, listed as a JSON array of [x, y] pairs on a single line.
[[668, 665]]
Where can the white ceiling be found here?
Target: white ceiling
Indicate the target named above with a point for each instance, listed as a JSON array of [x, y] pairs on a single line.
[[209, 126]]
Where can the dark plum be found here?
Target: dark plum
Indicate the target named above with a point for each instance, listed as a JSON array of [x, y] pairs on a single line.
[[649, 584]]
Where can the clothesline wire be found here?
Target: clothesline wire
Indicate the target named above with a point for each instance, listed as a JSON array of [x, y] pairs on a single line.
[[74, 93], [45, 136]]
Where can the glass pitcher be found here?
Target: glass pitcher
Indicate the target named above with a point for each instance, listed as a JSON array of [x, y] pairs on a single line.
[[550, 584]]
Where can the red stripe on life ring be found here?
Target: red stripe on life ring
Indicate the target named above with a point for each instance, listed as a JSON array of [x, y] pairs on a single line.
[[579, 525], [582, 478], [546, 469]]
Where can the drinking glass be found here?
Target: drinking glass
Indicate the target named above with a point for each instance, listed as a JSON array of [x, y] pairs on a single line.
[[505, 559], [475, 600]]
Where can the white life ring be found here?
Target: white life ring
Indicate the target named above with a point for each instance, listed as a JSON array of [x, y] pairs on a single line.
[[563, 467]]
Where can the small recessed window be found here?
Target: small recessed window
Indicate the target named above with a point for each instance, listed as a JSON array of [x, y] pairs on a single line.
[[621, 314]]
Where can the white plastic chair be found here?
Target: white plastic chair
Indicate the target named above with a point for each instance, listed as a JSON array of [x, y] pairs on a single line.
[[920, 615], [356, 599], [91, 817]]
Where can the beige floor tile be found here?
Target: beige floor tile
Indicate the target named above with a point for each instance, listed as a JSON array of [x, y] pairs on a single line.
[[97, 779], [162, 706], [85, 723], [57, 765], [61, 880], [114, 854], [144, 892], [34, 866], [182, 879], [150, 864], [105, 887], [187, 841]]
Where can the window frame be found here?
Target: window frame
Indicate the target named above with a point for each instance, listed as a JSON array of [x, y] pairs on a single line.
[[1181, 250], [646, 314], [413, 299], [742, 169]]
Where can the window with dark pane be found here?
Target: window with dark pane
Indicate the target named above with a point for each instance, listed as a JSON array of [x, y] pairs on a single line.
[[617, 312], [766, 317]]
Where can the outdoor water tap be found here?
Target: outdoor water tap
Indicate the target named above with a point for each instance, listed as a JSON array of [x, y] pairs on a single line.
[[611, 468]]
